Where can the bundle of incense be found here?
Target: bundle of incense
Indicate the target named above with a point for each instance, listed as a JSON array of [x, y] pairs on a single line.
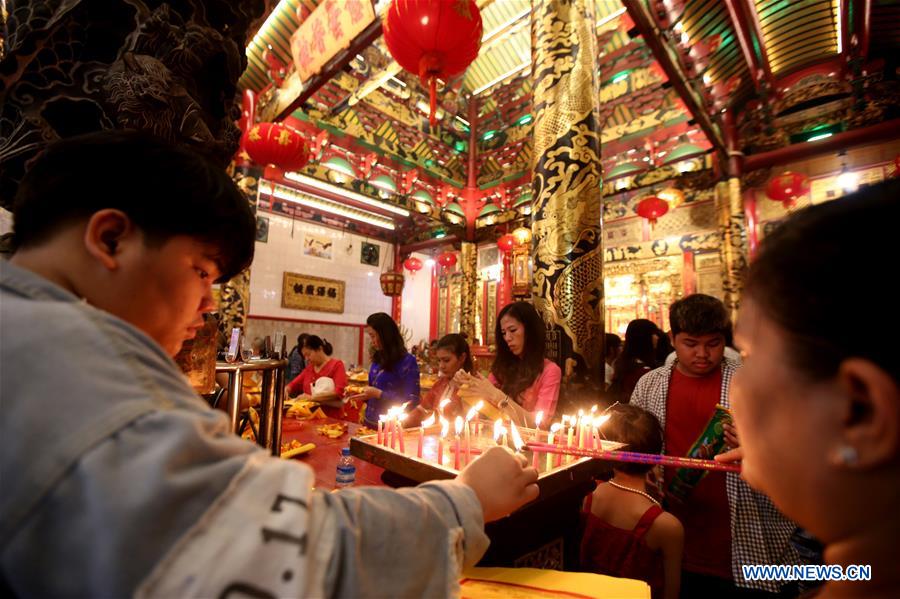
[[637, 458]]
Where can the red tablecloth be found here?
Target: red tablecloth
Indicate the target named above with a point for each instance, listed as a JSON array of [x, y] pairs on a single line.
[[324, 458]]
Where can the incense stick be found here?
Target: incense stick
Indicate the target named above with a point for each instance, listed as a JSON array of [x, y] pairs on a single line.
[[636, 458]]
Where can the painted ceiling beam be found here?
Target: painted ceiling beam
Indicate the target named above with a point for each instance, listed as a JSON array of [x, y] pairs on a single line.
[[754, 27], [743, 41], [863, 25], [656, 40], [362, 41]]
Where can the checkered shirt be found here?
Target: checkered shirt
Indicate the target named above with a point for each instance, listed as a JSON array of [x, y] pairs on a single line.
[[760, 534]]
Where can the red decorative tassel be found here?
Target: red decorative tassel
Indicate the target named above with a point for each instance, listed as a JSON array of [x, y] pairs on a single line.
[[432, 86]]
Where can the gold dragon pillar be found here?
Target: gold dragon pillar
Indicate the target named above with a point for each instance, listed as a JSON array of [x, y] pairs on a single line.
[[567, 248]]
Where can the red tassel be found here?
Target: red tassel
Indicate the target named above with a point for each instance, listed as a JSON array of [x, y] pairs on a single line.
[[432, 84]]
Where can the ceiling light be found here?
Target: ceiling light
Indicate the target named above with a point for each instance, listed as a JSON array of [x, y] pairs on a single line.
[[340, 191], [298, 197], [819, 136], [848, 180]]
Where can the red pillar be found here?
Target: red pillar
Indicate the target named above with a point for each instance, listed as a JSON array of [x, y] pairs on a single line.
[[504, 289], [435, 300], [397, 300], [751, 218]]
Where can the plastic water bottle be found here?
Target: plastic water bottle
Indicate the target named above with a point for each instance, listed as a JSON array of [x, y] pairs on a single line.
[[346, 470]]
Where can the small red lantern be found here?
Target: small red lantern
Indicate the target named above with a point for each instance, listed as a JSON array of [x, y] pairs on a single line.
[[787, 187], [392, 283], [896, 172], [447, 259], [506, 243], [274, 143], [412, 264], [652, 208], [433, 38]]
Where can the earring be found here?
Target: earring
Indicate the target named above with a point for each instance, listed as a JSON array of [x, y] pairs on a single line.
[[847, 455]]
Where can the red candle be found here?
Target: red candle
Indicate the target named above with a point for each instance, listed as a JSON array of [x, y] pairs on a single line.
[[400, 431], [380, 430], [458, 427]]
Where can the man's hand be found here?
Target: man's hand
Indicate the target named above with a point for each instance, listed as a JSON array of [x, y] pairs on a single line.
[[732, 455], [501, 481]]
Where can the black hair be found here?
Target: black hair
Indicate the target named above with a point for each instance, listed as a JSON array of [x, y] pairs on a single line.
[[314, 342], [300, 339], [515, 374], [699, 314], [637, 353], [457, 345], [611, 344], [638, 428], [165, 190], [393, 348], [811, 280]]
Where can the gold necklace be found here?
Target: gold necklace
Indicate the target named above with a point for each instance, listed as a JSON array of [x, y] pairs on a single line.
[[630, 490]]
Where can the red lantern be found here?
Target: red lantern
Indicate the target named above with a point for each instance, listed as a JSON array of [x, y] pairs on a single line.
[[447, 259], [412, 264], [787, 187], [392, 283], [433, 38], [274, 143], [652, 208], [896, 172], [506, 243]]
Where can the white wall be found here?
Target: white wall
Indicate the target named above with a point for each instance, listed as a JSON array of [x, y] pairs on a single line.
[[415, 311], [283, 253]]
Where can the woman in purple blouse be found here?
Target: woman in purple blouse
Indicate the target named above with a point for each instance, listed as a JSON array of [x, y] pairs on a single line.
[[394, 374]]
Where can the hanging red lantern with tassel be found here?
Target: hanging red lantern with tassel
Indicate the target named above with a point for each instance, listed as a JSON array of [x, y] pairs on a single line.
[[433, 38], [787, 187], [652, 208], [447, 259], [274, 143], [412, 264], [506, 243]]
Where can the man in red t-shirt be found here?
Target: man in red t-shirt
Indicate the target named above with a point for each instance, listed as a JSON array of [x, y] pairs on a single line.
[[683, 396]]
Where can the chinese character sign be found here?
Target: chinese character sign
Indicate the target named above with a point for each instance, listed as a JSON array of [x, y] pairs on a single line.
[[305, 292], [331, 27]]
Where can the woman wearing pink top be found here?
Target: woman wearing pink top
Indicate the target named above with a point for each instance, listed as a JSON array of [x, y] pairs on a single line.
[[522, 382]]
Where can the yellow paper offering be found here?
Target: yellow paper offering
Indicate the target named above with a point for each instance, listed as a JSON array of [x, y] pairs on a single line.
[[531, 583]]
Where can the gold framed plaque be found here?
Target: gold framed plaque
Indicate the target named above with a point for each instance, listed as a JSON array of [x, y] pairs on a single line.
[[306, 292]]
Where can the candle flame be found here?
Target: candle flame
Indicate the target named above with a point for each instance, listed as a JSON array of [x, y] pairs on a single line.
[[428, 421], [445, 427], [516, 437], [471, 413], [443, 404], [458, 425], [498, 427], [599, 420], [537, 418], [383, 418], [593, 408], [555, 427]]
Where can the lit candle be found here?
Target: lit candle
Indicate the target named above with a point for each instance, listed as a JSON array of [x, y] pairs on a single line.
[[381, 420], [469, 416], [445, 427], [570, 437], [554, 429], [498, 426], [537, 437], [458, 426], [598, 422], [392, 424], [503, 435], [580, 428], [518, 443], [425, 424], [400, 418], [444, 403]]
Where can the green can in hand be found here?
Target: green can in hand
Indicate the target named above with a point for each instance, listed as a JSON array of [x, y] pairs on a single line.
[[710, 443]]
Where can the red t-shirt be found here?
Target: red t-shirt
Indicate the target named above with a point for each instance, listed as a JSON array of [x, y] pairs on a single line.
[[333, 369], [705, 514]]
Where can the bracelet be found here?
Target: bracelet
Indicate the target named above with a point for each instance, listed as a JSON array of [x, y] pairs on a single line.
[[503, 402]]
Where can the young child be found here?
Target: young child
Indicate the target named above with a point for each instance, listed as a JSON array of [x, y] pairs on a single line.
[[626, 533]]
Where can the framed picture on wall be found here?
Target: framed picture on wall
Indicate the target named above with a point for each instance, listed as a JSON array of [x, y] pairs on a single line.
[[370, 254], [318, 247], [306, 292], [262, 229]]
